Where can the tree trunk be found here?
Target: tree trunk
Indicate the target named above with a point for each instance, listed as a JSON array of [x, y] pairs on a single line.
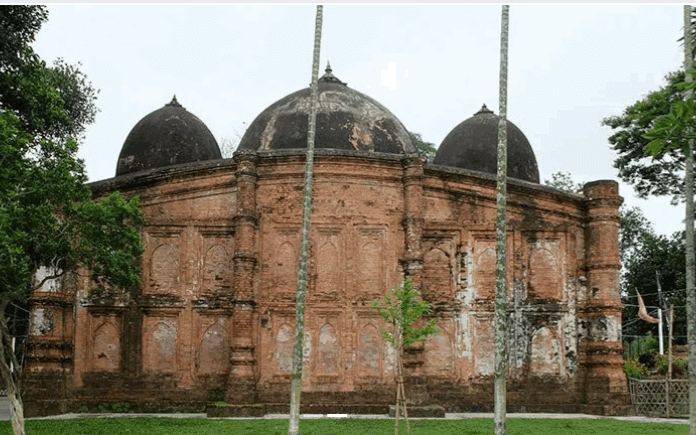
[[401, 405], [10, 378], [501, 239], [296, 385], [689, 234]]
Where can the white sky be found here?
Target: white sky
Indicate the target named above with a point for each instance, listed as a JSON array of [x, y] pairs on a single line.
[[433, 66]]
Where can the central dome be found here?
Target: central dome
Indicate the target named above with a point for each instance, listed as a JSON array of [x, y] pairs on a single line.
[[346, 119]]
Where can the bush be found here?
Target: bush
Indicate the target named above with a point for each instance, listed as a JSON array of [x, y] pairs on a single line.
[[648, 359], [679, 366], [634, 369], [683, 364]]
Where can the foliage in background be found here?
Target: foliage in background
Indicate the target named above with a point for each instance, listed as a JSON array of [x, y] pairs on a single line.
[[564, 181], [634, 369], [427, 148], [643, 253], [664, 175], [665, 255], [634, 231]]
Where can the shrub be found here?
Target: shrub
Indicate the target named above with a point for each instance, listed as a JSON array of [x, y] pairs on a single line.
[[634, 369], [679, 365]]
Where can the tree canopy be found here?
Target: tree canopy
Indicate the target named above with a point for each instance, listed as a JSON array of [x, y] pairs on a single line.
[[427, 148], [663, 256], [564, 181], [47, 216], [659, 176], [643, 253]]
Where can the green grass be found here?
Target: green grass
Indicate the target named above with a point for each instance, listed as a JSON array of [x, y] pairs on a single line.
[[201, 426]]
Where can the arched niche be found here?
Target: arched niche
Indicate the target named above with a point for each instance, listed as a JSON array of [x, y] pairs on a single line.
[[327, 362], [546, 352], [439, 357], [164, 269], [328, 270], [106, 347], [284, 342], [437, 276], [545, 275], [216, 270], [370, 269], [214, 350], [369, 351], [484, 277], [161, 347]]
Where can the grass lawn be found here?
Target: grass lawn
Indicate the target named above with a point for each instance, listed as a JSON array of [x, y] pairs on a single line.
[[196, 426]]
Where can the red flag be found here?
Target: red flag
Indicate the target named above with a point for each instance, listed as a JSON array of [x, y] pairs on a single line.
[[642, 312]]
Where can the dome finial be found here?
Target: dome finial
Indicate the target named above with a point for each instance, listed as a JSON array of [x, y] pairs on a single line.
[[174, 103], [330, 78], [483, 111]]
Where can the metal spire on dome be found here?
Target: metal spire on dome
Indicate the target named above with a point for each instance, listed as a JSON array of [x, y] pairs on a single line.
[[330, 78], [484, 110], [174, 103]]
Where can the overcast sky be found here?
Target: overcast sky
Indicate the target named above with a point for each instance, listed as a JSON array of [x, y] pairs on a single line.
[[433, 66]]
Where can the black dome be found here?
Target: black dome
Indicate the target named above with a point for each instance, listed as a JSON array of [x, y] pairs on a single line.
[[346, 119], [473, 145], [168, 136]]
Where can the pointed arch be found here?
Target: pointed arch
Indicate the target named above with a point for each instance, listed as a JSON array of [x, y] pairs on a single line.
[[546, 352], [484, 277], [328, 269], [164, 269], [437, 279], [216, 269], [369, 351], [161, 348], [439, 355], [106, 347], [283, 348], [545, 277], [370, 268], [214, 350], [286, 268], [327, 351]]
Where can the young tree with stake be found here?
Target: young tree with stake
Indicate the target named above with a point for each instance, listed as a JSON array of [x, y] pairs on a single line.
[[403, 309]]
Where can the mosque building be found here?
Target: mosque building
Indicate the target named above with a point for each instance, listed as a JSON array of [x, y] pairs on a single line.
[[214, 316]]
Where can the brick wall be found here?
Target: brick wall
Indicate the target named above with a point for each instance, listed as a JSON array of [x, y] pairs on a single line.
[[214, 317]]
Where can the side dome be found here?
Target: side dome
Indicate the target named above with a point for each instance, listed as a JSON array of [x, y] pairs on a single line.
[[473, 145], [346, 119], [168, 136]]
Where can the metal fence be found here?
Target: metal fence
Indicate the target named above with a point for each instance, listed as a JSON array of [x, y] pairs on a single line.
[[660, 397]]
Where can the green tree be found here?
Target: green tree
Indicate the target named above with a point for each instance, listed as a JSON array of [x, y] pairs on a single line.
[[296, 383], [634, 230], [47, 217], [564, 181], [658, 255], [500, 400], [675, 132], [634, 226], [403, 309], [664, 175], [427, 148]]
